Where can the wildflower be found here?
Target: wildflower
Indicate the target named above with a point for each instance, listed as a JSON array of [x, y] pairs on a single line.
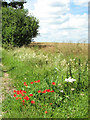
[[33, 102], [46, 112], [72, 89], [44, 91], [27, 98], [39, 91], [38, 81], [53, 83], [81, 94], [25, 84], [23, 101], [17, 98], [50, 103], [14, 91], [67, 96], [61, 91], [24, 91], [22, 94], [48, 90], [14, 95], [31, 82], [70, 79], [52, 91], [18, 92], [31, 95]]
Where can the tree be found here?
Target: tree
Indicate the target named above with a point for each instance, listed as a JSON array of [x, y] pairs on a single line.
[[18, 28], [14, 4]]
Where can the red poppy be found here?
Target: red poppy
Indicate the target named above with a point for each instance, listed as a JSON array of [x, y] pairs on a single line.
[[33, 102], [22, 94], [50, 103], [44, 91], [48, 90], [18, 92], [14, 91], [26, 97], [14, 95], [17, 98], [38, 81], [31, 95], [39, 91], [53, 83], [52, 91], [31, 82], [24, 83], [23, 101], [24, 91], [46, 112]]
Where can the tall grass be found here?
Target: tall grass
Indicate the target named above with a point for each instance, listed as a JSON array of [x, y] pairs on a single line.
[[54, 63]]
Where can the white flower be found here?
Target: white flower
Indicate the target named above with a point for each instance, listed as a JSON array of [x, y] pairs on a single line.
[[70, 79], [61, 91], [72, 89]]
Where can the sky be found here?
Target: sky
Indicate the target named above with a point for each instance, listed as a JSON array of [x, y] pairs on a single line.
[[60, 20]]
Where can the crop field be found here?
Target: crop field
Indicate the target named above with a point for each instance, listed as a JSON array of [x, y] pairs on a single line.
[[45, 80]]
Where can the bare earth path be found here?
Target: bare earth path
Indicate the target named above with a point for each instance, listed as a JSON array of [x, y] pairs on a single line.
[[5, 88]]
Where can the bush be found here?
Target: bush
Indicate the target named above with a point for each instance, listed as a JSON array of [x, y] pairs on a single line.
[[18, 28]]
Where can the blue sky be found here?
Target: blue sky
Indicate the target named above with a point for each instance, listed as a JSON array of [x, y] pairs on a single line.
[[60, 20]]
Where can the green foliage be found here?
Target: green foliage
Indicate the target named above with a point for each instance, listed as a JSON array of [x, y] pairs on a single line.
[[18, 28], [28, 65]]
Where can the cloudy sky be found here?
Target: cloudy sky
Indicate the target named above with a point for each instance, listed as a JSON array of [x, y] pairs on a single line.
[[60, 20]]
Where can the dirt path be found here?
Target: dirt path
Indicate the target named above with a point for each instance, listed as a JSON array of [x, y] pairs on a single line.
[[5, 88]]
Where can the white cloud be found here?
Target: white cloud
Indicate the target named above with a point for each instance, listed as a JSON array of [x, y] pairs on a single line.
[[81, 2], [57, 24]]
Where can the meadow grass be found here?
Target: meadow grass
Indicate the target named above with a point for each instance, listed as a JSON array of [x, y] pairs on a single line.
[[49, 63]]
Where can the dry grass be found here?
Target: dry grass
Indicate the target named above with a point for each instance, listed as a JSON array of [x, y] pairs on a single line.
[[75, 49]]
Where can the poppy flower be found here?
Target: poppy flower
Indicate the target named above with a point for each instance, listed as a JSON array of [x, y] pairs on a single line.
[[32, 102], [44, 91], [50, 103], [24, 91], [38, 81], [23, 101], [31, 95], [26, 97], [39, 91], [48, 90], [31, 82], [52, 91], [22, 94], [53, 83], [14, 91], [14, 95], [24, 83], [17, 98], [46, 112], [18, 92]]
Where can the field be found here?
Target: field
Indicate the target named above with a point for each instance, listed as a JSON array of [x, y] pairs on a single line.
[[45, 80]]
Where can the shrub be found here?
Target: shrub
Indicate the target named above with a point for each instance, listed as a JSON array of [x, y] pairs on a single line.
[[18, 28]]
